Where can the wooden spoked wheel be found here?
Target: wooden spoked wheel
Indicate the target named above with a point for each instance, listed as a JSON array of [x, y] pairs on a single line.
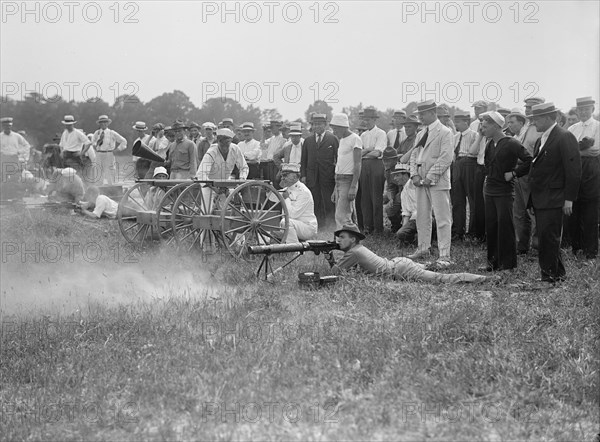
[[253, 214], [193, 223], [164, 212], [137, 220]]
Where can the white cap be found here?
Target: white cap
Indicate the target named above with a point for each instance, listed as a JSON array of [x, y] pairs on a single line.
[[68, 172], [495, 116], [339, 120], [225, 132], [159, 170]]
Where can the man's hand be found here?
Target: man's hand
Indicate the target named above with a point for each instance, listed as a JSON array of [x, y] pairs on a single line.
[[352, 193], [427, 182], [330, 259], [508, 176], [417, 180], [285, 194], [568, 208]]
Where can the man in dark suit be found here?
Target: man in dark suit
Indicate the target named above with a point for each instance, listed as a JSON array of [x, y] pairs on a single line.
[[319, 155], [554, 182]]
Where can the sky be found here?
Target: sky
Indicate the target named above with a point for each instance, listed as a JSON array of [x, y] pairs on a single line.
[[285, 55]]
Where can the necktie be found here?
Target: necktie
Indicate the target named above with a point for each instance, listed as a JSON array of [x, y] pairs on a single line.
[[397, 142], [318, 140], [536, 147], [101, 139], [457, 148], [424, 139]]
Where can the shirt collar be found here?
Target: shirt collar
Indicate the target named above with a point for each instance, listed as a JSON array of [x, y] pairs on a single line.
[[589, 121], [547, 132], [466, 131], [434, 124]]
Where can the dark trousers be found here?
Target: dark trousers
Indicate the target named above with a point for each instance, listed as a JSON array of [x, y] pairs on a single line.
[[358, 199], [477, 224], [324, 207], [73, 160], [463, 175], [408, 233], [583, 223], [549, 223], [500, 232], [524, 221], [372, 180]]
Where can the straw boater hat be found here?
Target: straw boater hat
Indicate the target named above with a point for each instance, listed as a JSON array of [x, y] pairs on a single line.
[[276, 123], [139, 125], [69, 119], [352, 229], [103, 119], [585, 101], [7, 120], [227, 120], [340, 120], [543, 109], [248, 126], [318, 117], [399, 114], [296, 129], [290, 167], [427, 105], [209, 125]]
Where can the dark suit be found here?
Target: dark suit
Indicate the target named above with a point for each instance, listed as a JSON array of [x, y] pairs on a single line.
[[318, 167], [553, 178]]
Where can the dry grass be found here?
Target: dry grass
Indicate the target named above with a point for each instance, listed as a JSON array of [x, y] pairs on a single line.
[[364, 360]]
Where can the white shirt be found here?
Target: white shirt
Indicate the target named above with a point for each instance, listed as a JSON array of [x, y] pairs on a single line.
[[545, 136], [250, 149], [214, 167], [468, 136], [73, 141], [428, 130], [300, 204], [408, 199], [590, 129], [111, 141], [374, 139], [105, 206], [275, 143], [14, 144], [474, 126], [160, 146], [296, 152], [345, 160], [391, 136]]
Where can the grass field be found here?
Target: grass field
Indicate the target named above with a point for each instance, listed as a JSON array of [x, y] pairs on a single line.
[[101, 343]]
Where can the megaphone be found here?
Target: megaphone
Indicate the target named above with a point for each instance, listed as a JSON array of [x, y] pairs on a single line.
[[142, 151]]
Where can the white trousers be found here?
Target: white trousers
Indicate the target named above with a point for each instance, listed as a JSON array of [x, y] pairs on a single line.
[[439, 202], [299, 231], [105, 162]]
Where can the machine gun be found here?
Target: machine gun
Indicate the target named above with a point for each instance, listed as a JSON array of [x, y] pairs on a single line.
[[317, 247]]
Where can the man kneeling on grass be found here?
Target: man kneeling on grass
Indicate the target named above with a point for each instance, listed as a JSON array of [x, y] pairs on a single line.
[[355, 254]]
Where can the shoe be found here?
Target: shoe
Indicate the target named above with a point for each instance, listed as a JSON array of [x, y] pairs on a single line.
[[443, 263], [486, 268], [419, 254]]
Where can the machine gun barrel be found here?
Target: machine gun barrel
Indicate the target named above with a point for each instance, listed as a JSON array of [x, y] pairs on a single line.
[[301, 247]]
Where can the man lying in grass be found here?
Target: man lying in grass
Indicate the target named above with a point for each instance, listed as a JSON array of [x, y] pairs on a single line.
[[96, 205], [355, 254]]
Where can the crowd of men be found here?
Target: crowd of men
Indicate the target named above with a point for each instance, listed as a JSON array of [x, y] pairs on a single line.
[[509, 178]]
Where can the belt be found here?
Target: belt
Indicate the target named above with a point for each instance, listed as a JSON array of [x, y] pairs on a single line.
[[104, 151], [466, 156]]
